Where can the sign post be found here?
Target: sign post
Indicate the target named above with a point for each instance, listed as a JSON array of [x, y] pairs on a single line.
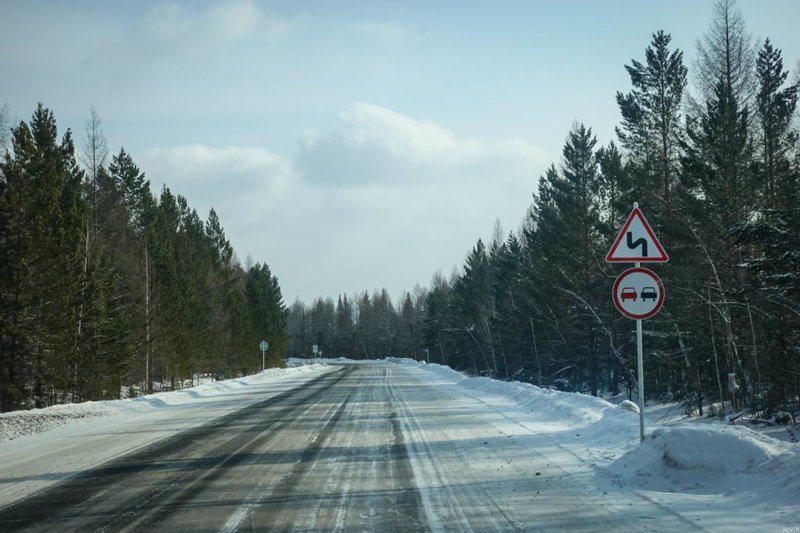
[[638, 292], [263, 346], [315, 350]]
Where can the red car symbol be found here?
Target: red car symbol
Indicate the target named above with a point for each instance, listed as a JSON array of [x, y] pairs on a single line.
[[628, 293]]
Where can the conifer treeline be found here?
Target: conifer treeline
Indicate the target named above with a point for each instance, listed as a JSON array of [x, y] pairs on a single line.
[[103, 285], [717, 172]]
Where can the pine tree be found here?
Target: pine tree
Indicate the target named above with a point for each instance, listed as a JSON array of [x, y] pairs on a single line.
[[511, 320], [776, 106], [719, 189], [650, 130], [770, 241], [267, 313], [42, 213], [473, 298], [366, 327], [406, 338], [132, 241], [437, 320], [385, 323], [345, 333]]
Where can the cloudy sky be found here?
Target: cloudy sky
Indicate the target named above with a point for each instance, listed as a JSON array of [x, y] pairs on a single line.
[[350, 145]]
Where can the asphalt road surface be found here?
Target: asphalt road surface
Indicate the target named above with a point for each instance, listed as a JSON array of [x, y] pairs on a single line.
[[364, 448]]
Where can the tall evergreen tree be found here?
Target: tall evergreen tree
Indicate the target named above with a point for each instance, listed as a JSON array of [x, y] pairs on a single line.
[[42, 212], [267, 312], [719, 191], [776, 105], [436, 322], [344, 340], [651, 114], [132, 242], [473, 298]]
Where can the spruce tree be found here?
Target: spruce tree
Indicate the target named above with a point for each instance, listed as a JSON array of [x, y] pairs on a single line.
[[42, 210], [651, 115], [776, 105], [267, 313]]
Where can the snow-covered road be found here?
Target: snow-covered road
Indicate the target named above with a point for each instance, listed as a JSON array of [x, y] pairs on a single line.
[[389, 446]]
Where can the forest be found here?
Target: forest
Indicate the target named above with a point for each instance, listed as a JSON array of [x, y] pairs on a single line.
[[715, 166], [106, 288]]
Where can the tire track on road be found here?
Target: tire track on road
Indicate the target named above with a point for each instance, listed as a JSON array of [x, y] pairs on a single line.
[[178, 468]]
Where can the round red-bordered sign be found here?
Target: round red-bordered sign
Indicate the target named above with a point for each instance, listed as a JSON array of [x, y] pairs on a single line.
[[638, 293]]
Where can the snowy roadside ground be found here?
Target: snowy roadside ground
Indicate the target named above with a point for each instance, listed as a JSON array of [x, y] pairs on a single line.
[[18, 424], [674, 414], [43, 446], [714, 477]]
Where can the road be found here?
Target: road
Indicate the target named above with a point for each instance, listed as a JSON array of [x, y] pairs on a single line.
[[365, 448]]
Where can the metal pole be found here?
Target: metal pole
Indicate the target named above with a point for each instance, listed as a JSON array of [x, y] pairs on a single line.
[[640, 362], [640, 359], [262, 359]]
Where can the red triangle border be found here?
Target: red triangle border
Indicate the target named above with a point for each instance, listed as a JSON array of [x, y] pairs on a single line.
[[662, 258]]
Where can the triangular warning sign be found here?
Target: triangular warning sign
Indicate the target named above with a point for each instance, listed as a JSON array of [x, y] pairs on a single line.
[[636, 243]]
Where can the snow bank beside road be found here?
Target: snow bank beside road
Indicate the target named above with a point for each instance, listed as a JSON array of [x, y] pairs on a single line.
[[20, 423], [556, 410], [17, 424]]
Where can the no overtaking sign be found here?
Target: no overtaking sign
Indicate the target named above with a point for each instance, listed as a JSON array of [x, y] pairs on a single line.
[[638, 293]]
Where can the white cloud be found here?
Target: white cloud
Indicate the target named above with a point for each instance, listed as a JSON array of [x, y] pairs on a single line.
[[238, 182], [402, 197], [370, 144], [173, 27]]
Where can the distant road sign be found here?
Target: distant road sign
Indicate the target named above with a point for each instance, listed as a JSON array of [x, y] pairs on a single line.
[[638, 293], [636, 243], [264, 346]]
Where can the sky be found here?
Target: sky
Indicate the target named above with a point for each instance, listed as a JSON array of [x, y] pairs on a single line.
[[349, 145]]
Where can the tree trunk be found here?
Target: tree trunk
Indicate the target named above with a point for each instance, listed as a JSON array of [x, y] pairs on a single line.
[[714, 351]]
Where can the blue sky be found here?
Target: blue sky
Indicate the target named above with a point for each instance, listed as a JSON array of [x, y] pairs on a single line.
[[350, 145]]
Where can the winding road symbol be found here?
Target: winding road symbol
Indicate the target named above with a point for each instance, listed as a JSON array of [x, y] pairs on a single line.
[[640, 243]]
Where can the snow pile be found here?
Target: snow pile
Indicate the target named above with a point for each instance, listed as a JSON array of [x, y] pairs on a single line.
[[17, 424], [711, 459]]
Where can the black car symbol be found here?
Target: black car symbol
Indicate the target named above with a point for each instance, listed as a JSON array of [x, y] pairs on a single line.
[[649, 293]]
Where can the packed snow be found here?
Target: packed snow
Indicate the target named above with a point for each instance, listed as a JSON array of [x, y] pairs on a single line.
[[719, 477]]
